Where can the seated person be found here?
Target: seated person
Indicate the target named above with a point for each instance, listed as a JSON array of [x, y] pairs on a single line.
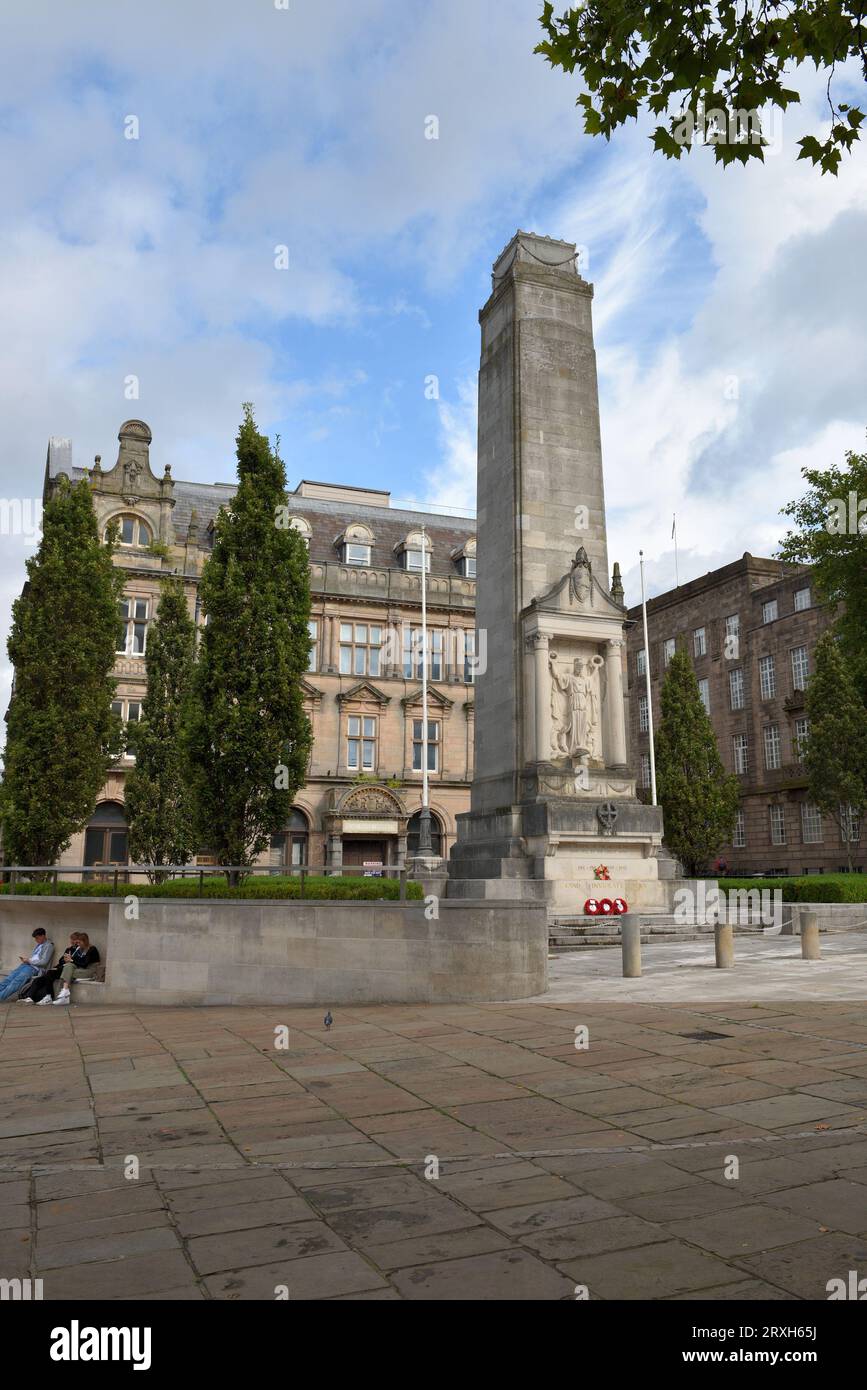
[[44, 984], [82, 966], [32, 965]]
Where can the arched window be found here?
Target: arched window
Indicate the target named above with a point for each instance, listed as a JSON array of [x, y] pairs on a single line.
[[131, 530], [414, 551], [302, 526], [289, 848], [105, 838], [436, 833], [355, 544]]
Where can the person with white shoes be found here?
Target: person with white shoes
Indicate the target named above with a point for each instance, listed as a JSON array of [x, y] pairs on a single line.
[[81, 966]]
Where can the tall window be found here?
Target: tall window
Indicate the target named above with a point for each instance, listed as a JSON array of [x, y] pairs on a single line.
[[641, 663], [643, 720], [802, 735], [668, 648], [469, 637], [736, 688], [313, 634], [778, 825], [645, 769], [361, 742], [802, 600], [699, 642], [733, 625], [131, 530], [704, 694], [413, 829], [132, 630], [769, 611], [740, 751], [773, 747], [433, 745], [412, 653], [360, 649], [767, 677], [739, 838], [811, 824], [850, 825], [129, 711], [800, 668]]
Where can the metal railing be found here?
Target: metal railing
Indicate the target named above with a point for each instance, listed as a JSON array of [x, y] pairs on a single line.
[[117, 874]]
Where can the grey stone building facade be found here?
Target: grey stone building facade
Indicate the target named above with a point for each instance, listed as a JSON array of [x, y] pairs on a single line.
[[751, 629], [360, 803]]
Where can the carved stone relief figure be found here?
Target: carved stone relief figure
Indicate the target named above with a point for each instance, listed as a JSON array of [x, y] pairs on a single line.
[[575, 709]]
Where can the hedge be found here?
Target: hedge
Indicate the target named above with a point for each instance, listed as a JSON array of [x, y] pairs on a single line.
[[812, 888], [274, 887]]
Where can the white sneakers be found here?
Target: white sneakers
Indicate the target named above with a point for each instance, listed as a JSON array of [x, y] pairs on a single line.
[[46, 999], [26, 1000], [63, 997]]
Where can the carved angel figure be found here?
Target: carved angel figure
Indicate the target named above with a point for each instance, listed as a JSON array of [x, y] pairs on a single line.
[[574, 709]]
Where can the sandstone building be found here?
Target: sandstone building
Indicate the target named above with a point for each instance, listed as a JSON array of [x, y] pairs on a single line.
[[750, 629], [363, 792]]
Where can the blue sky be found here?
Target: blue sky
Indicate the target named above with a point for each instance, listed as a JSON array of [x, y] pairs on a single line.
[[729, 306]]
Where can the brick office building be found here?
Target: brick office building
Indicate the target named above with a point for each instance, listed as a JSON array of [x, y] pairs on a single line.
[[360, 803], [751, 629]]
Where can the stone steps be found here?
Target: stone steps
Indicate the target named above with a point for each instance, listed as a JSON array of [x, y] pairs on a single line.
[[590, 933]]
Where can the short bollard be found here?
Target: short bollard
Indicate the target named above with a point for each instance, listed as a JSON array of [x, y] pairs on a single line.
[[810, 936], [724, 945], [630, 945]]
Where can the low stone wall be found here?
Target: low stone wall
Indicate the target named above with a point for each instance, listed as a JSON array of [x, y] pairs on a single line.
[[325, 953]]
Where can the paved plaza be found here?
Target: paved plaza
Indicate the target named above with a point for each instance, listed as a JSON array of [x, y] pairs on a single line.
[[299, 1171]]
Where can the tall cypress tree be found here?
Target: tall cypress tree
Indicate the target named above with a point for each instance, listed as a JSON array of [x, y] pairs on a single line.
[[699, 799], [157, 794], [62, 736], [248, 738], [835, 755]]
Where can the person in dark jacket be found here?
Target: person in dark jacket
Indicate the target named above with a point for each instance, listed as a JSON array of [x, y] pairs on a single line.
[[82, 966]]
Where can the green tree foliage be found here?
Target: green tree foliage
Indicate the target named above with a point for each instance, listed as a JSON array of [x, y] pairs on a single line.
[[830, 533], [835, 755], [62, 736], [158, 802], [699, 799], [708, 66], [248, 738]]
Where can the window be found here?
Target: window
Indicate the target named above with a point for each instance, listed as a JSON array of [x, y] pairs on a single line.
[[105, 839], [313, 633], [668, 648], [739, 838], [778, 825], [468, 567], [733, 625], [412, 653], [360, 649], [645, 769], [740, 750], [641, 663], [811, 824], [704, 694], [850, 825], [469, 656], [416, 559], [361, 742], [773, 747], [131, 530], [355, 554], [412, 833], [769, 611], [643, 719], [129, 712], [767, 677], [802, 600], [802, 735], [736, 688], [433, 745], [289, 847], [132, 631], [800, 668], [699, 642], [302, 526]]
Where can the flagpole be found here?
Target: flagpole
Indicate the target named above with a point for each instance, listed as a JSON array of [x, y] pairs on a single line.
[[674, 538], [647, 684], [424, 836]]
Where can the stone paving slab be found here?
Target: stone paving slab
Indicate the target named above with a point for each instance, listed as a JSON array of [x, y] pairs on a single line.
[[452, 1152]]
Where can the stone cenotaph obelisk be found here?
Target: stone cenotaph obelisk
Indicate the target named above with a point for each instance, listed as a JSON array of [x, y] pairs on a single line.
[[553, 797]]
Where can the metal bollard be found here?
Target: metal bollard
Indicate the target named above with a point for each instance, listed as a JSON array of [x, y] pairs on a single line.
[[630, 945], [810, 936], [724, 945]]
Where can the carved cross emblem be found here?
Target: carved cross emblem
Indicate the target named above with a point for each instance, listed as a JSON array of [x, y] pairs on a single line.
[[607, 815]]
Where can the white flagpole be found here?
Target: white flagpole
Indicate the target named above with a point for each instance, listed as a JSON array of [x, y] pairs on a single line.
[[647, 684], [424, 839], [674, 538]]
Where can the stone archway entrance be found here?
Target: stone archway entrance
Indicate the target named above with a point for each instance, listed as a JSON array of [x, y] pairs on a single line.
[[365, 829]]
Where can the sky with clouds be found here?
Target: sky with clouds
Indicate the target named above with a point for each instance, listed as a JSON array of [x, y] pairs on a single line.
[[729, 305]]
